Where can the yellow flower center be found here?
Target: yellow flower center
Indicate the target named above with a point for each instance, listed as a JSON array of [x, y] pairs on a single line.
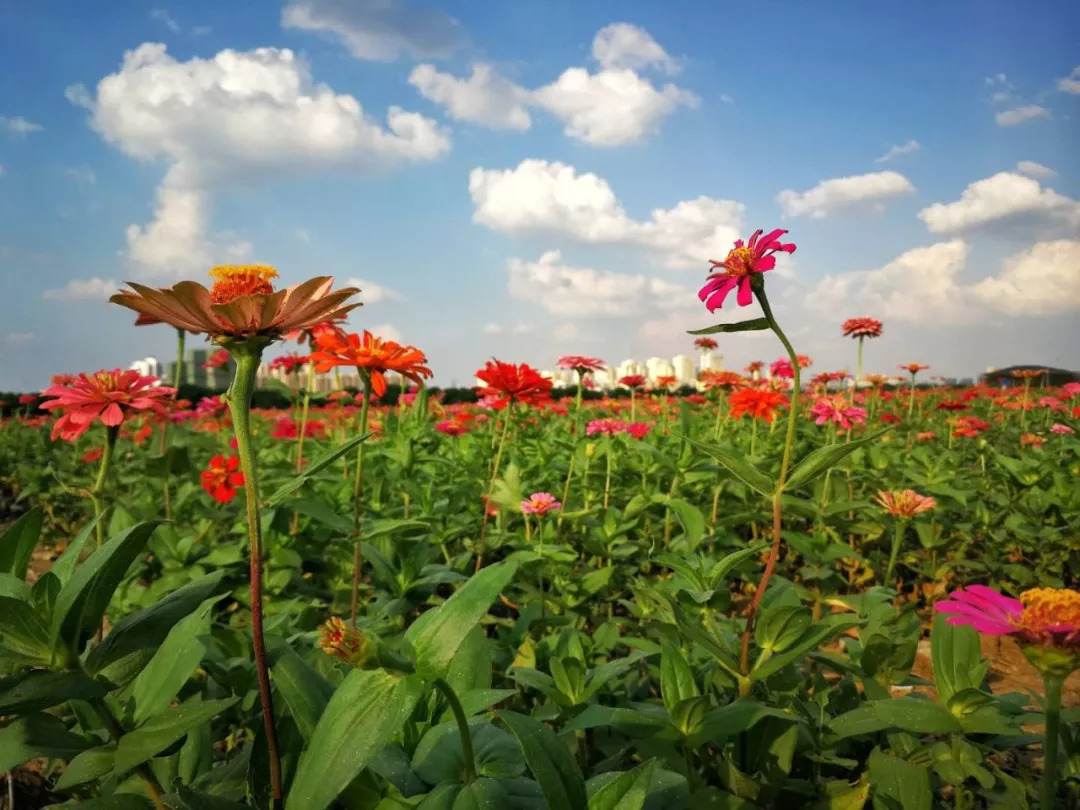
[[739, 262], [1049, 607], [234, 280]]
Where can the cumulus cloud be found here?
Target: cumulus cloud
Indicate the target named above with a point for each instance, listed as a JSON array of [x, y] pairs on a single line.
[[78, 289], [1070, 83], [483, 98], [896, 151], [19, 126], [613, 107], [841, 193], [582, 292], [1033, 169], [1018, 115], [236, 118], [18, 338], [552, 198], [518, 328], [163, 16], [83, 175], [622, 45], [1043, 280], [923, 285], [566, 332], [380, 30], [1004, 197], [373, 293], [387, 331]]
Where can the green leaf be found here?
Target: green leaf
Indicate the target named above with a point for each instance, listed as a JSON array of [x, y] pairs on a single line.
[[627, 721], [41, 689], [187, 799], [173, 663], [312, 469], [149, 627], [483, 794], [65, 564], [368, 709], [898, 784], [752, 325], [736, 465], [84, 598], [816, 635], [439, 758], [121, 801], [676, 678], [626, 791], [691, 518], [550, 761], [437, 634], [957, 658], [18, 541], [814, 464], [161, 731], [87, 766], [23, 633], [37, 735], [305, 691], [917, 716]]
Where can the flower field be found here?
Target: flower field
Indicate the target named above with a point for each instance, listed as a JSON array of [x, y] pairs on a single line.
[[766, 593]]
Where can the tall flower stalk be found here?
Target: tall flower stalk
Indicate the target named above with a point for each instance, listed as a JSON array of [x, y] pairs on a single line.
[[358, 493], [98, 489]]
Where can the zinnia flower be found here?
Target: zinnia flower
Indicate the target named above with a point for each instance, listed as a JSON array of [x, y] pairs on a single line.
[[633, 380], [581, 364], [540, 503], [218, 359], [638, 430], [760, 404], [1029, 373], [969, 426], [451, 427], [754, 367], [371, 355], [952, 405], [838, 410], [925, 436], [343, 642], [607, 427], [507, 383], [722, 379], [862, 328], [1032, 440], [92, 455], [905, 503], [108, 395], [241, 303], [1061, 430], [222, 478], [666, 381], [288, 363], [27, 399], [913, 368], [756, 256], [706, 344]]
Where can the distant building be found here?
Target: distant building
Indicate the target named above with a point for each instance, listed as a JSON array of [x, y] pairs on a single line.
[[148, 367], [712, 361], [685, 371], [1053, 376], [657, 367]]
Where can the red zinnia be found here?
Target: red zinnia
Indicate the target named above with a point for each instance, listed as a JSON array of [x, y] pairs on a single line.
[[109, 395], [759, 403], [633, 380], [913, 368], [580, 363], [722, 379], [756, 256], [218, 359], [288, 363], [706, 344], [862, 328], [222, 478], [508, 383], [371, 355]]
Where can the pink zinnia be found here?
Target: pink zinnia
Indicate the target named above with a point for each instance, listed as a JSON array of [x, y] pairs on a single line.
[[540, 503], [1047, 617], [783, 369], [1061, 430], [755, 256], [982, 608], [580, 363], [607, 427], [108, 395], [837, 409], [1071, 388]]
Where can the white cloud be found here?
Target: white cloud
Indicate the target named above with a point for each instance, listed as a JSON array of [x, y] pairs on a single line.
[[582, 292], [238, 117], [727, 98], [83, 175], [552, 198], [90, 289], [518, 328], [896, 151], [566, 332], [622, 45], [78, 95], [1043, 280], [1033, 169], [302, 234], [611, 108], [483, 98], [923, 285], [372, 293], [386, 331], [1, 169], [1004, 196], [18, 338], [381, 30], [1071, 83], [19, 126], [839, 193], [201, 30], [163, 16], [1018, 115]]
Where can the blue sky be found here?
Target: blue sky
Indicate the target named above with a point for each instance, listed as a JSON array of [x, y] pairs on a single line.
[[490, 172]]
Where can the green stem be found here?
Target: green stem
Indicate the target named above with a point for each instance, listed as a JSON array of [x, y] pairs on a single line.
[[468, 758], [911, 397], [1052, 685], [178, 372], [1023, 404], [785, 463], [247, 355], [358, 480], [894, 552], [858, 370], [491, 484], [633, 405], [99, 484], [607, 475]]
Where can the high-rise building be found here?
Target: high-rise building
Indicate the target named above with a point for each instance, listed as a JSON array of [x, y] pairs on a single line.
[[685, 372], [658, 367], [712, 361], [629, 368], [148, 367]]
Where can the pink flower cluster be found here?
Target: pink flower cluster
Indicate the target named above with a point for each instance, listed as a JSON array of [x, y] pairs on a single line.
[[837, 410], [613, 427]]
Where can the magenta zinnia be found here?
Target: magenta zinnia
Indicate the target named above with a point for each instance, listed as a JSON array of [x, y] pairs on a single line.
[[108, 395], [1044, 616], [539, 503], [838, 410], [755, 256]]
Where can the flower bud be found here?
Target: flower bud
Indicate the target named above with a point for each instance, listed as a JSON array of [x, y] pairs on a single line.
[[345, 643]]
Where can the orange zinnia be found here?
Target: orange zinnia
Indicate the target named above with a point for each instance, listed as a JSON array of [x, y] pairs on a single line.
[[759, 403], [241, 303], [711, 379], [370, 355]]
